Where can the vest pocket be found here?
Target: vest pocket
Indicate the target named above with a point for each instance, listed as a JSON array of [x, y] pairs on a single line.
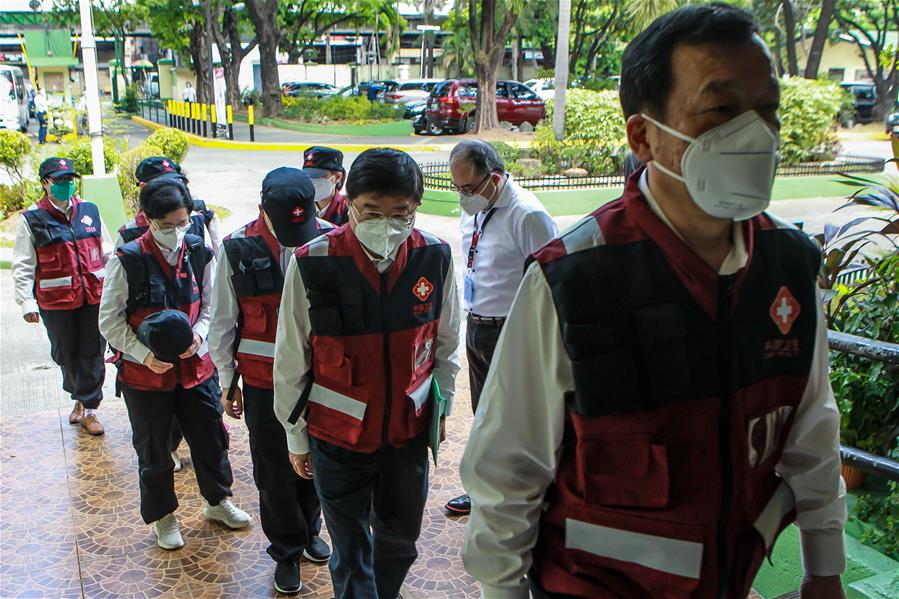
[[255, 318], [663, 559], [54, 293], [332, 365], [623, 470]]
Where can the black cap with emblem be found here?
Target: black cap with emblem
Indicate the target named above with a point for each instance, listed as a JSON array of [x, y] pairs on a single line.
[[55, 167], [155, 166], [288, 199], [167, 334], [319, 161]]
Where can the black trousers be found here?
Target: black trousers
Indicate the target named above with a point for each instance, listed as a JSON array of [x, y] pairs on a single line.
[[288, 504], [200, 414], [373, 503], [176, 428], [77, 347], [480, 343]]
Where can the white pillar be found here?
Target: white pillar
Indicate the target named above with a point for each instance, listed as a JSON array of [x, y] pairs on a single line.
[[91, 87], [561, 68]]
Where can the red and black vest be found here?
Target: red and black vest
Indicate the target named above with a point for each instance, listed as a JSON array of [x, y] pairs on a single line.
[[199, 221], [254, 256], [374, 338], [155, 285], [69, 270], [686, 387], [337, 212]]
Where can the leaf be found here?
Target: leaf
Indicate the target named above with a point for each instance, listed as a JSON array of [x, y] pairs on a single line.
[[830, 232], [850, 224]]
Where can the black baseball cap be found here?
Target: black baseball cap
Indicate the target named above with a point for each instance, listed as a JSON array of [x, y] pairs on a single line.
[[167, 334], [154, 166], [55, 167], [288, 199], [319, 161]]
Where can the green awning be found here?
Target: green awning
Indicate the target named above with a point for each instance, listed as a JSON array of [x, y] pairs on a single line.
[[51, 48]]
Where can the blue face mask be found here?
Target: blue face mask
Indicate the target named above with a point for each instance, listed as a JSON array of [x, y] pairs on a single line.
[[62, 191]]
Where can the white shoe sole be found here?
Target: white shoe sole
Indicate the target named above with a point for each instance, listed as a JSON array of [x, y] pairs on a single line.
[[315, 560], [283, 592], [226, 522], [169, 547]]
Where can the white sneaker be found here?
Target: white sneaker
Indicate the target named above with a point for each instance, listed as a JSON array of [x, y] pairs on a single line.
[[168, 536], [227, 513], [177, 461]]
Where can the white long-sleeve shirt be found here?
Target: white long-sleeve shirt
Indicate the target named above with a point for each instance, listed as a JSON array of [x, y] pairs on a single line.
[[293, 351], [114, 322], [24, 261], [519, 226], [225, 310], [513, 452]]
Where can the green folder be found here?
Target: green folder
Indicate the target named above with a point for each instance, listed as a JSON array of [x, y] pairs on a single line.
[[437, 413]]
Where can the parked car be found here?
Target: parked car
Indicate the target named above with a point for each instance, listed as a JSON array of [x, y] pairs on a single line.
[[151, 85], [350, 91], [294, 89], [14, 112], [448, 105], [545, 88], [378, 89], [893, 124], [414, 108], [414, 88], [865, 99]]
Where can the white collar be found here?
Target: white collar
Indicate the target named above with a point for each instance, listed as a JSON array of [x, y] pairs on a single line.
[[735, 260]]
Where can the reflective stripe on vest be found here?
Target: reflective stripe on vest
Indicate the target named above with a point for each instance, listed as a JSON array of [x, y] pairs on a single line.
[[673, 556], [60, 282], [337, 402], [253, 347]]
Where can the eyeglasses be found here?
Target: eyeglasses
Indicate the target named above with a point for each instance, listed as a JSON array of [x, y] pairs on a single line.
[[406, 216], [471, 190], [184, 224]]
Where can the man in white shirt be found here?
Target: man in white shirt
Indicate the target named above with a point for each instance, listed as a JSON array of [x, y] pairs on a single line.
[[659, 408], [190, 94], [502, 224]]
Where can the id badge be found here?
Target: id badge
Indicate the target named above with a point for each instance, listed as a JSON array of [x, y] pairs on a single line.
[[468, 289]]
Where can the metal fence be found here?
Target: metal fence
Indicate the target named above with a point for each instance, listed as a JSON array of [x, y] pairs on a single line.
[[436, 174]]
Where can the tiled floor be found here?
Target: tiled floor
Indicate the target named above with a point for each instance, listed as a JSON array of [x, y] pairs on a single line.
[[70, 527]]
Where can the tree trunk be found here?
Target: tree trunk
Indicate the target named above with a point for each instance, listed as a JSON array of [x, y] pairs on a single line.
[[821, 31], [549, 55], [200, 61], [887, 93], [561, 69], [790, 35], [516, 74], [263, 13], [232, 86], [485, 112]]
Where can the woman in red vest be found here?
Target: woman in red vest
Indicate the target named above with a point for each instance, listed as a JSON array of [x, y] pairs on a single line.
[[58, 266], [168, 269]]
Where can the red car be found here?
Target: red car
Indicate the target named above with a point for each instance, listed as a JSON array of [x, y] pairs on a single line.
[[450, 102]]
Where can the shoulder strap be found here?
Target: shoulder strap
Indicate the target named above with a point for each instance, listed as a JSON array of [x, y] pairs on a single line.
[[134, 262], [37, 222], [198, 255]]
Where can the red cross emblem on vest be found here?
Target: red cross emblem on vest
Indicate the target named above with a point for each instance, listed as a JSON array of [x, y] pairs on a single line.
[[422, 289], [785, 310]]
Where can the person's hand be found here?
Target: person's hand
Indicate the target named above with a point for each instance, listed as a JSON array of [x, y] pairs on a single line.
[[194, 347], [302, 464], [442, 430], [157, 366], [821, 587], [233, 408], [32, 317]]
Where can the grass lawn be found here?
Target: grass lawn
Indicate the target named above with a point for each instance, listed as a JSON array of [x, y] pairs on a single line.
[[583, 201]]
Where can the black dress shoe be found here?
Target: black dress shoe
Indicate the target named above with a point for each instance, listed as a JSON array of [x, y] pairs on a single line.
[[459, 505], [317, 550], [287, 577]]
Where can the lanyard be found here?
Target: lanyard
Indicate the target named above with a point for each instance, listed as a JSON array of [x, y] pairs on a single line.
[[476, 236]]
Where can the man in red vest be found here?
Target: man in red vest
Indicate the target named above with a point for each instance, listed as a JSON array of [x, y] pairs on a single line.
[[367, 335], [658, 409], [247, 294], [59, 263], [325, 167]]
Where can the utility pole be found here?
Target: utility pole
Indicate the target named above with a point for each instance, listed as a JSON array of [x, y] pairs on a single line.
[[211, 99], [91, 87]]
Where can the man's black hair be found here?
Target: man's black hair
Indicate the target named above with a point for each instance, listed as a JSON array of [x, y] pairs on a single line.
[[384, 171], [646, 65], [163, 195]]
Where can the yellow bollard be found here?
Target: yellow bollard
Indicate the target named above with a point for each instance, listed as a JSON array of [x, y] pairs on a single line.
[[251, 119], [215, 123], [203, 114], [230, 117]]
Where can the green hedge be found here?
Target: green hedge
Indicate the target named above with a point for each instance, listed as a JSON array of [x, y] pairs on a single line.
[[809, 113], [318, 110]]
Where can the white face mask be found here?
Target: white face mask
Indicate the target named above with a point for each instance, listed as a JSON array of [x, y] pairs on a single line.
[[170, 238], [382, 236], [472, 203], [324, 188], [729, 170]]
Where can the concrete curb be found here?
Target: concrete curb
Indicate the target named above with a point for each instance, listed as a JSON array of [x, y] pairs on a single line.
[[225, 144]]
